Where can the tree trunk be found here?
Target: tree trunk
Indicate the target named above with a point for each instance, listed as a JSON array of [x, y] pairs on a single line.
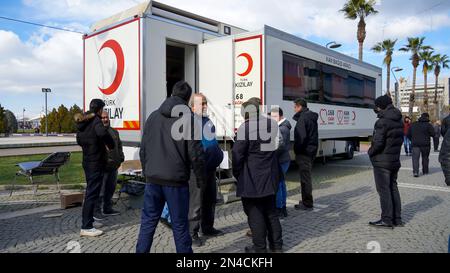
[[361, 35], [425, 91], [413, 93], [436, 106], [388, 80]]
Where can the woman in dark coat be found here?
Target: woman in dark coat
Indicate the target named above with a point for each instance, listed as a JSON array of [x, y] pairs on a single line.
[[444, 157], [257, 170]]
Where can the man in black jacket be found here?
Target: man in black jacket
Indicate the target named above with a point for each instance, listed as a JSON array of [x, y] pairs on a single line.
[[115, 158], [306, 143], [94, 140], [445, 125], [420, 133], [444, 157], [168, 150], [257, 170], [384, 153]]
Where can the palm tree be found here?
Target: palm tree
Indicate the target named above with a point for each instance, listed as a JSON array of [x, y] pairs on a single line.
[[361, 9], [427, 57], [439, 62], [388, 47], [415, 45]]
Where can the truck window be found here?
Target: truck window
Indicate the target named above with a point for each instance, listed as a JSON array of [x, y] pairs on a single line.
[[322, 83]]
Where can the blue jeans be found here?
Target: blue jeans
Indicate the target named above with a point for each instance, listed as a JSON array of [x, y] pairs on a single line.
[[407, 145], [282, 192], [178, 203]]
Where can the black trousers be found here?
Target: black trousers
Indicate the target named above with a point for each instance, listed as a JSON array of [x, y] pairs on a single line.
[[264, 222], [436, 143], [425, 153], [202, 204], [386, 184], [94, 180], [305, 164], [107, 191]]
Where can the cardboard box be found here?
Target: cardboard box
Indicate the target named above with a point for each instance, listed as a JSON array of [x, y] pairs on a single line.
[[71, 199]]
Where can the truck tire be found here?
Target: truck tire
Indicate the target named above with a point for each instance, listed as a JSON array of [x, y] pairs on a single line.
[[350, 151]]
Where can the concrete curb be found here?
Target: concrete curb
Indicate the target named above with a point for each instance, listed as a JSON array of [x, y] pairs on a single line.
[[37, 145]]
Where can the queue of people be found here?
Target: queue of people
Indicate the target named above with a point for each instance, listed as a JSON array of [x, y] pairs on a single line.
[[180, 164]]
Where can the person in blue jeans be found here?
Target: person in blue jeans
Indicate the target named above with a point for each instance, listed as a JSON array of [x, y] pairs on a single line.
[[283, 158], [167, 159], [406, 141]]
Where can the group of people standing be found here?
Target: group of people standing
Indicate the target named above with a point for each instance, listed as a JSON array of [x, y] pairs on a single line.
[[179, 154]]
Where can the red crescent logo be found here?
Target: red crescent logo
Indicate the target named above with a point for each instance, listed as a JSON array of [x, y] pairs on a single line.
[[117, 49], [354, 115], [250, 64]]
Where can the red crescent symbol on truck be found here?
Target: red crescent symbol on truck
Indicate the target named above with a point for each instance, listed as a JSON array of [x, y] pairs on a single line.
[[117, 49], [354, 115], [250, 64]]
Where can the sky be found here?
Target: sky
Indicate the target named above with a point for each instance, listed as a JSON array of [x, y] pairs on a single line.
[[34, 57]]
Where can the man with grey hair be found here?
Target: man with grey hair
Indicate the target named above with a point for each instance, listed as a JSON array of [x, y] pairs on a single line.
[[202, 200], [104, 205]]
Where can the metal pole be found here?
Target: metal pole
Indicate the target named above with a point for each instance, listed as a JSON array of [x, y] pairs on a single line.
[[23, 121], [46, 116]]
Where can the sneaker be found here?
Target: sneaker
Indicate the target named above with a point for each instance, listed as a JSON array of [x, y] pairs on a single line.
[[303, 207], [416, 174], [196, 241], [213, 232], [110, 212], [93, 232], [98, 216]]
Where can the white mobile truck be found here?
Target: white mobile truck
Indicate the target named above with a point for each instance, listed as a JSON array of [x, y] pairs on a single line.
[[132, 60]]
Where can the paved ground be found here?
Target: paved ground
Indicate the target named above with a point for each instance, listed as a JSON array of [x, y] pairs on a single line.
[[35, 141], [38, 150], [345, 201]]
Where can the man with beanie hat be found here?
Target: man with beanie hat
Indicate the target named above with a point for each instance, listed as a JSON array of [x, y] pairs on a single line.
[[166, 160], [420, 133], [94, 139], [384, 154]]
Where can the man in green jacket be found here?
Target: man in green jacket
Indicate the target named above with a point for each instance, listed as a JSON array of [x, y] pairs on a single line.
[[115, 159]]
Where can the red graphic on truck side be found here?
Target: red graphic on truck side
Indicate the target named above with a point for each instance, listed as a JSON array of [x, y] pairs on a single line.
[[117, 49]]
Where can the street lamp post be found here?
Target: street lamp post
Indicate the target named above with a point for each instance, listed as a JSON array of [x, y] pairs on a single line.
[[23, 121], [333, 45], [393, 70], [46, 90]]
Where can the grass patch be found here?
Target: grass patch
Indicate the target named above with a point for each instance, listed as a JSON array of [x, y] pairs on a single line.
[[72, 173]]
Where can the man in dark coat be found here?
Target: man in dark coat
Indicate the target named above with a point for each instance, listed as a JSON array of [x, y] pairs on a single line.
[[384, 154], [94, 140], [420, 133], [283, 157], [444, 157], [168, 150], [306, 143], [257, 170], [445, 125], [202, 201], [115, 158]]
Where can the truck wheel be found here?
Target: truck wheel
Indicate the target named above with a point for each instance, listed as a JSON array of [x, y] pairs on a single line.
[[350, 152]]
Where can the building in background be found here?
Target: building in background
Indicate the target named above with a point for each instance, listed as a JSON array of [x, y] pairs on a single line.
[[405, 89]]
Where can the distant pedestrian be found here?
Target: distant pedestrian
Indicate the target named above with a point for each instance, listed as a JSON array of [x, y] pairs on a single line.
[[444, 157], [384, 154], [166, 164], [306, 143], [94, 139], [420, 133], [437, 135], [115, 158], [283, 157], [257, 170], [406, 140]]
